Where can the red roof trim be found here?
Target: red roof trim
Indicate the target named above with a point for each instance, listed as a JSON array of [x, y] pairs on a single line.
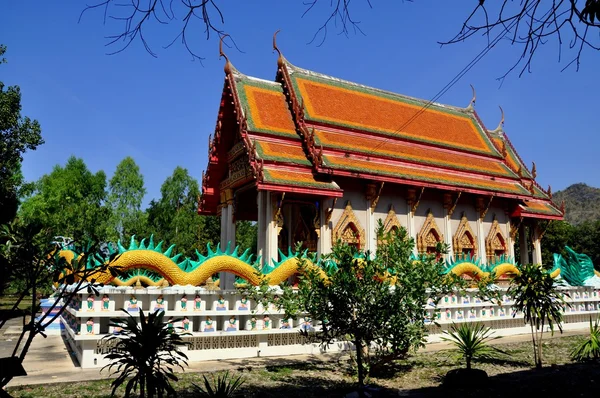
[[307, 191]]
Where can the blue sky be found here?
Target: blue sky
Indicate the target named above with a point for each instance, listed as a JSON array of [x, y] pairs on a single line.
[[161, 110]]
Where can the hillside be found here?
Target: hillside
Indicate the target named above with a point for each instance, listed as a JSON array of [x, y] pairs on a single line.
[[582, 203]]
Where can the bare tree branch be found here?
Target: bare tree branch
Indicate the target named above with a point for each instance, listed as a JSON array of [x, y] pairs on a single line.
[[532, 23]]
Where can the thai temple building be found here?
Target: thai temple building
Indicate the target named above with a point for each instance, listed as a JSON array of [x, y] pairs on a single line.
[[315, 159]]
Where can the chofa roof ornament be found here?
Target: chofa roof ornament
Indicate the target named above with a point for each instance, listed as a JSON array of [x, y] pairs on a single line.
[[471, 106], [500, 128], [275, 48], [228, 66]]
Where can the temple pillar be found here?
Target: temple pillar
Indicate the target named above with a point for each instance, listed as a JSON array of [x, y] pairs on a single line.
[[510, 241], [227, 237], [481, 241], [448, 236], [371, 243], [288, 221], [260, 226], [271, 229], [324, 245], [523, 245], [537, 244], [410, 222]]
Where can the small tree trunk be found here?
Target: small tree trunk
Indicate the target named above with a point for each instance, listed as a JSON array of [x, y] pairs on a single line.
[[468, 358], [359, 364], [539, 356], [533, 332]]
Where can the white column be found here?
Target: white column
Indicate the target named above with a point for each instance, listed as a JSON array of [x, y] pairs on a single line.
[[260, 226], [410, 226], [523, 244], [481, 241], [270, 231], [325, 238], [224, 234], [371, 245], [537, 245], [448, 235], [510, 244], [289, 222]]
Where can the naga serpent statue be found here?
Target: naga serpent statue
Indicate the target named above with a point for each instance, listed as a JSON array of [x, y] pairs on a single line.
[[146, 263]]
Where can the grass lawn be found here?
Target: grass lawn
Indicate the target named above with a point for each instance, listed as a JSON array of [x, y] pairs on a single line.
[[420, 375], [7, 302]]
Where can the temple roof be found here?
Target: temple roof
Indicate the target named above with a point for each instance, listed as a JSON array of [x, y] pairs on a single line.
[[305, 129]]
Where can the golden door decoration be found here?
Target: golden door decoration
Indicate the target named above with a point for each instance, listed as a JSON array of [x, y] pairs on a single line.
[[495, 243], [391, 223], [429, 236], [464, 240], [349, 230]]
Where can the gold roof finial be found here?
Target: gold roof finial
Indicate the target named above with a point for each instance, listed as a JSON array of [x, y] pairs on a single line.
[[471, 105], [222, 54], [549, 191], [275, 48], [533, 170]]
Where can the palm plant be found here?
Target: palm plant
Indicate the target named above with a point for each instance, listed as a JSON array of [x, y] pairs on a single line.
[[589, 348], [221, 386], [536, 295], [144, 355], [471, 340]]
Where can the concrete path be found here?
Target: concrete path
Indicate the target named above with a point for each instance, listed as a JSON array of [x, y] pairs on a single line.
[[49, 361]]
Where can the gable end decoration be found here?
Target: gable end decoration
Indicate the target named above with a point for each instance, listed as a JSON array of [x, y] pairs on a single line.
[[464, 238], [430, 235], [349, 230], [495, 242]]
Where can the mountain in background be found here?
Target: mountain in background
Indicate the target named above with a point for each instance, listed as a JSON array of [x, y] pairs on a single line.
[[582, 203]]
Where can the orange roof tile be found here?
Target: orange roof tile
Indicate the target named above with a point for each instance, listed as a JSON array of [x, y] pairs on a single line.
[[278, 152], [266, 108], [423, 175], [345, 104], [301, 178], [413, 153]]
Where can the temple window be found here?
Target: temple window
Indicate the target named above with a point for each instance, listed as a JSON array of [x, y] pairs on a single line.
[[348, 229], [464, 241], [429, 236], [390, 224], [495, 243]]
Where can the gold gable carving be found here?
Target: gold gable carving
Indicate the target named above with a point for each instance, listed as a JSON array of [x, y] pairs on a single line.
[[390, 222], [430, 234], [495, 240], [464, 238], [348, 229]]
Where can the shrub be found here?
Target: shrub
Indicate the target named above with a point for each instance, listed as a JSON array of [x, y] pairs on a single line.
[[220, 386], [589, 348], [470, 340]]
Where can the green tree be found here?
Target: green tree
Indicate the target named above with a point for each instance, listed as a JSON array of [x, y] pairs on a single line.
[[125, 194], [536, 295], [471, 341], [377, 304], [70, 202], [246, 235], [585, 240], [17, 135], [558, 235], [174, 217]]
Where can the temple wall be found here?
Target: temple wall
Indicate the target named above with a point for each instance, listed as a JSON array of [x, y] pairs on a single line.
[[437, 209], [393, 197]]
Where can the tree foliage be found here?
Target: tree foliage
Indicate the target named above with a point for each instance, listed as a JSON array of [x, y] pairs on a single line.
[[69, 201], [379, 305], [174, 217], [18, 134], [125, 195], [27, 252], [536, 295]]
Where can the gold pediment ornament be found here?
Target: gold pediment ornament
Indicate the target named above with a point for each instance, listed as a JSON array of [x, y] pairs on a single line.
[[348, 229], [495, 240], [464, 238], [430, 234]]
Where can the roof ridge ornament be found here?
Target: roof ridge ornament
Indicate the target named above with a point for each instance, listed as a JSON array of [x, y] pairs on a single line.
[[228, 67], [471, 106], [533, 170], [275, 48], [500, 128]]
